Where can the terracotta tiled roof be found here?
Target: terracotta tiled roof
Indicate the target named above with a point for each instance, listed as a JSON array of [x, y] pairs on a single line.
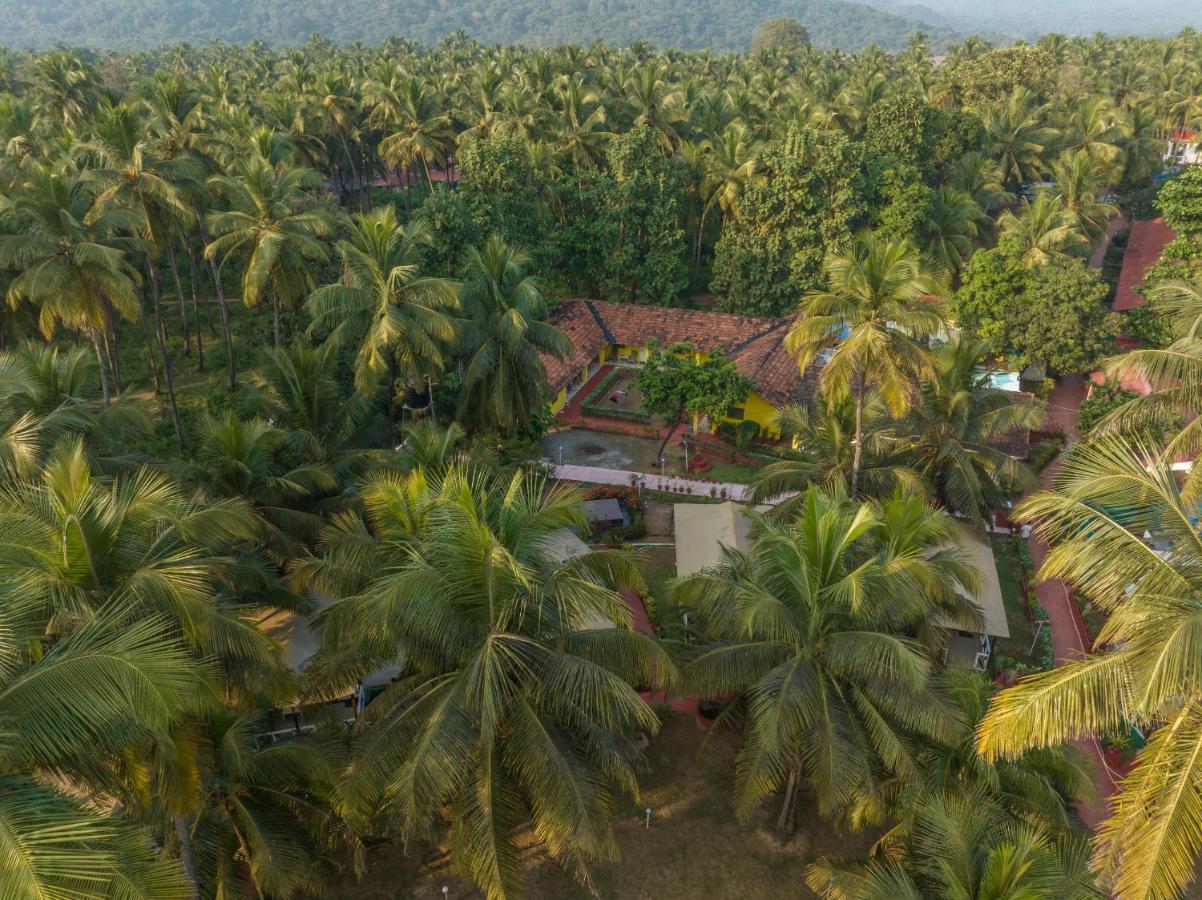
[[1147, 240], [755, 343]]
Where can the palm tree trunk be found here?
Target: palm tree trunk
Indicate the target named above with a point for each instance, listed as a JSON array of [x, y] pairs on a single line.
[[200, 337], [156, 301], [785, 820], [275, 311], [183, 307], [226, 333], [101, 368], [429, 180], [152, 358], [184, 835], [858, 453], [109, 336], [391, 399]]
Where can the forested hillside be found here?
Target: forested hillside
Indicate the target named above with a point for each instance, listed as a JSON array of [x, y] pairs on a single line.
[[712, 24]]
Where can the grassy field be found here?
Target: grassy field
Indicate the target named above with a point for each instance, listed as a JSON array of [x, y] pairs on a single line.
[[695, 848]]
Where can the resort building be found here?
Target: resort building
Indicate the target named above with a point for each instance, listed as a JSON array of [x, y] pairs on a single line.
[[1184, 148], [622, 334]]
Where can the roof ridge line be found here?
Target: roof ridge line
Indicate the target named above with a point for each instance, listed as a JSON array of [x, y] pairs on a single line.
[[601, 323]]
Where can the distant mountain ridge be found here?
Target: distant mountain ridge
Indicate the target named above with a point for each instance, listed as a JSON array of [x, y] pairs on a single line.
[[686, 24]]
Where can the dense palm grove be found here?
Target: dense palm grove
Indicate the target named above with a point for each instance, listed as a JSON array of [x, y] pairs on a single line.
[[229, 271]]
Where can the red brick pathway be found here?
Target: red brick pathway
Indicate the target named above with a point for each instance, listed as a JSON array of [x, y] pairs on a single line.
[[643, 623], [1070, 639]]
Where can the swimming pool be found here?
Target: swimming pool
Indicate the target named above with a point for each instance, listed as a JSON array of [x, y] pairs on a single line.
[[1003, 381]]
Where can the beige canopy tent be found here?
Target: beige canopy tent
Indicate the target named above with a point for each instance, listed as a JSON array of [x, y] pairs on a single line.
[[703, 529], [966, 648]]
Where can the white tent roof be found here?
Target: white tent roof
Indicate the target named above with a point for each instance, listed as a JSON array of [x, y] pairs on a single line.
[[702, 529]]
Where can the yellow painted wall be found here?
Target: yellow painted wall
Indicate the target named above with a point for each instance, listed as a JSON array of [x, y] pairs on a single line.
[[560, 401], [757, 409]]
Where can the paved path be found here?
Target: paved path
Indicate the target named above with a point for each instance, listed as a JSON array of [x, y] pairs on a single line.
[[1070, 639], [669, 484]]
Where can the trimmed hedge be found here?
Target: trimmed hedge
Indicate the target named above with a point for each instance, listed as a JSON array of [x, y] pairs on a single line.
[[593, 404]]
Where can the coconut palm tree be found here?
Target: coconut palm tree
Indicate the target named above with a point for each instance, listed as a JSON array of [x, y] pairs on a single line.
[[1037, 788], [73, 545], [265, 823], [418, 130], [46, 394], [1174, 374], [504, 382], [70, 265], [1017, 138], [810, 631], [517, 695], [1080, 180], [958, 428], [267, 227], [823, 450], [250, 461], [72, 705], [131, 177], [1109, 504], [299, 390], [400, 319], [965, 847], [982, 179], [878, 307], [1043, 230], [952, 228]]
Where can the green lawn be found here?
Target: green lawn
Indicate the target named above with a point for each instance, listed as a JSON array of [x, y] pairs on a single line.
[[734, 473]]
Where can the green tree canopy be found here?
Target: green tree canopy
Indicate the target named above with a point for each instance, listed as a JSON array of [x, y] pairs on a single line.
[[807, 200], [785, 33], [1056, 313]]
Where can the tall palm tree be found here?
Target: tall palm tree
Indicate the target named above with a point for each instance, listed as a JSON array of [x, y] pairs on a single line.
[[249, 461], [1174, 374], [810, 630], [129, 176], [952, 227], [958, 428], [517, 695], [504, 382], [1036, 788], [823, 439], [418, 130], [299, 390], [982, 179], [1044, 230], [1122, 534], [46, 394], [265, 823], [1017, 138], [266, 226], [399, 317], [1080, 179], [71, 265], [878, 307], [73, 545], [965, 847]]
